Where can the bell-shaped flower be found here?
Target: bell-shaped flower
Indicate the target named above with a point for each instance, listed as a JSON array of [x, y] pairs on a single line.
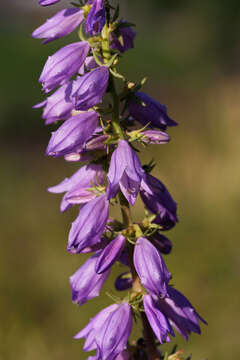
[[159, 201], [85, 283], [147, 110], [72, 134], [61, 66], [161, 242], [155, 137], [122, 38], [77, 186], [61, 24], [57, 106], [88, 227], [125, 171], [110, 254], [113, 337], [159, 323], [123, 281], [89, 89], [179, 312], [93, 327], [47, 2], [151, 268], [96, 18]]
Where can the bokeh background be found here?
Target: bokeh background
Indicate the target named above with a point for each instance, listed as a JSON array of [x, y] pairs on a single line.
[[190, 52]]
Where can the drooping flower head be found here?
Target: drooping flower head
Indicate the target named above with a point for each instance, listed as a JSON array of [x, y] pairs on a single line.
[[86, 283], [88, 227], [108, 332], [61, 66], [172, 311], [57, 106], [96, 18], [151, 268], [147, 110], [159, 201], [77, 188], [72, 134], [125, 171], [89, 89], [122, 38], [61, 24]]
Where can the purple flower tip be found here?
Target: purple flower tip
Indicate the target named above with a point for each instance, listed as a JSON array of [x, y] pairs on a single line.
[[146, 110], [47, 2], [61, 24]]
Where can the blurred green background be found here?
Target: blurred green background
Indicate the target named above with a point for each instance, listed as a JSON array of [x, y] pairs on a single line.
[[190, 52]]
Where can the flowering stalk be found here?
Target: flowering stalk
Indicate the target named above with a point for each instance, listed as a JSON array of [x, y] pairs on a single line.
[[104, 136]]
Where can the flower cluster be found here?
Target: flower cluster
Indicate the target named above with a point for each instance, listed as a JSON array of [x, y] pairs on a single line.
[[102, 137]]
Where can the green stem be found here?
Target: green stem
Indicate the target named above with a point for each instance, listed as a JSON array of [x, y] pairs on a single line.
[[115, 118]]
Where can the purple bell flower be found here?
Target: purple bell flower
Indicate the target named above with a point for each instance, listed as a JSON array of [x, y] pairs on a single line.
[[89, 89], [155, 137], [113, 337], [162, 243], [72, 134], [96, 18], [88, 227], [61, 24], [61, 66], [151, 268], [159, 323], [123, 281], [159, 202], [123, 37], [76, 187], [108, 331], [93, 327], [150, 112], [125, 171], [85, 283], [58, 106], [47, 2], [179, 312], [110, 254]]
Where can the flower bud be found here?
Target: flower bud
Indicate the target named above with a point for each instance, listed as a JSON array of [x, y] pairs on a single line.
[[61, 66], [61, 24], [72, 134], [147, 110], [123, 281], [162, 243]]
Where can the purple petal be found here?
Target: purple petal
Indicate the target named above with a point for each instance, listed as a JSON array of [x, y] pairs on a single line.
[[47, 2], [110, 254], [61, 24], [96, 18], [151, 268], [125, 170], [90, 88], [159, 323], [85, 283], [88, 227], [93, 327], [61, 66], [151, 111], [73, 133], [115, 331]]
